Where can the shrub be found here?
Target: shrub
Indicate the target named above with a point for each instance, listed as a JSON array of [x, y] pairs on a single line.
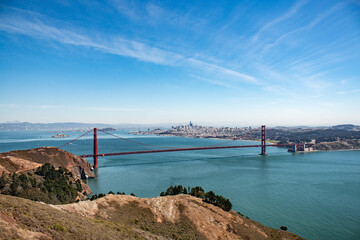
[[210, 197], [78, 185], [59, 227], [197, 192], [283, 228], [96, 196]]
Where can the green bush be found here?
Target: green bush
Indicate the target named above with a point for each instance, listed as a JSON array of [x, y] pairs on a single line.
[[197, 192], [78, 185], [59, 227], [283, 228], [174, 191], [209, 197], [96, 196]]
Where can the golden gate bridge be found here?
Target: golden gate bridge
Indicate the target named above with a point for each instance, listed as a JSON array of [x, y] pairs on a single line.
[[161, 149]]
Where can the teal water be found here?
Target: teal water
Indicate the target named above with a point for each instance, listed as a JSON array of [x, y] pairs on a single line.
[[316, 195]]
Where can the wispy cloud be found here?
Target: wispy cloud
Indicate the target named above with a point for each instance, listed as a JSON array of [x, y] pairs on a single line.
[[309, 26], [348, 92], [218, 69], [49, 106], [127, 8], [110, 109], [31, 106], [217, 82], [153, 14], [278, 90], [35, 27], [10, 105], [293, 10]]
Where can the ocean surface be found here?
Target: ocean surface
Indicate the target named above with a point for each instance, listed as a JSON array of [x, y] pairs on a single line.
[[316, 195]]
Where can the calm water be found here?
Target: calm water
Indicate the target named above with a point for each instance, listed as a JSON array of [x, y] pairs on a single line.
[[316, 195]]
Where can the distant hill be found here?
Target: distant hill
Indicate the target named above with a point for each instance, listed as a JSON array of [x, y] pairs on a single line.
[[348, 127], [70, 126], [23, 126], [340, 127]]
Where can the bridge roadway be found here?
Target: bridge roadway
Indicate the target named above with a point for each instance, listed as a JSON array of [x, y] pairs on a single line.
[[181, 149]]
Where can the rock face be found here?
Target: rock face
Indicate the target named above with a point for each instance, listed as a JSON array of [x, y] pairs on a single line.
[[22, 160], [184, 216]]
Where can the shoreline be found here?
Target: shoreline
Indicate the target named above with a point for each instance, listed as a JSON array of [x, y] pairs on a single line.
[[268, 142]]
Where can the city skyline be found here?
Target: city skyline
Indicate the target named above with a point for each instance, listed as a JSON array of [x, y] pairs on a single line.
[[280, 63]]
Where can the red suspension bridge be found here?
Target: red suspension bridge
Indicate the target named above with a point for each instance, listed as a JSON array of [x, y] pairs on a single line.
[[162, 149]]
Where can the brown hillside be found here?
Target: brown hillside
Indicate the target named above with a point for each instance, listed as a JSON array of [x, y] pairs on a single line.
[[174, 217], [25, 219], [22, 160]]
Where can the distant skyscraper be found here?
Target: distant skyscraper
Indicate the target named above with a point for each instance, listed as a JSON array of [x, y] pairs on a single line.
[[190, 124]]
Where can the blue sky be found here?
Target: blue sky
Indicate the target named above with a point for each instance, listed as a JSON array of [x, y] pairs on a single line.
[[213, 62]]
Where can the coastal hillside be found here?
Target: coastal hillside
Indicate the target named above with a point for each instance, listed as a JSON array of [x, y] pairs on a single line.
[[45, 174], [338, 145], [23, 160], [127, 217]]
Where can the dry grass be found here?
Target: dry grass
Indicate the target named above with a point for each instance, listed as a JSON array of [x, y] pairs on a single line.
[[125, 217], [22, 219], [136, 216], [54, 156]]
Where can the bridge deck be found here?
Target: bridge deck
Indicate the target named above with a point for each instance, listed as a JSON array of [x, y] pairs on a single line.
[[181, 149]]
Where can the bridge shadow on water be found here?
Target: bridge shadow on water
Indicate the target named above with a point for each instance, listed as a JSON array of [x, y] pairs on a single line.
[[257, 156]]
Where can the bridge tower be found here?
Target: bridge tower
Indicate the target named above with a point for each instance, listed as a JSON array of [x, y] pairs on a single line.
[[263, 140], [95, 149]]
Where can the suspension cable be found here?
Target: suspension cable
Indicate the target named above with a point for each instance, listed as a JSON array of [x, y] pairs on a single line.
[[151, 145], [213, 145], [232, 140], [75, 139]]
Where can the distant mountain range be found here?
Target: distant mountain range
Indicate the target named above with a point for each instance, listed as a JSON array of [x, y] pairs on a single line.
[[348, 127], [345, 127], [70, 126], [74, 126]]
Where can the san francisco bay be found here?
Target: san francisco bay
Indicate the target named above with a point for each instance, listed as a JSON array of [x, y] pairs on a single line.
[[316, 195]]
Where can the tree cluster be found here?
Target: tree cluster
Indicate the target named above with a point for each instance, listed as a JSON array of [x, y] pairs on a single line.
[[209, 197], [197, 192], [96, 196], [100, 195], [174, 191], [45, 184], [218, 200], [58, 182]]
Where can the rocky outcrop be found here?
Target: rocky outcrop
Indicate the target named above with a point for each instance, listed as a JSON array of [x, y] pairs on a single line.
[[22, 160]]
